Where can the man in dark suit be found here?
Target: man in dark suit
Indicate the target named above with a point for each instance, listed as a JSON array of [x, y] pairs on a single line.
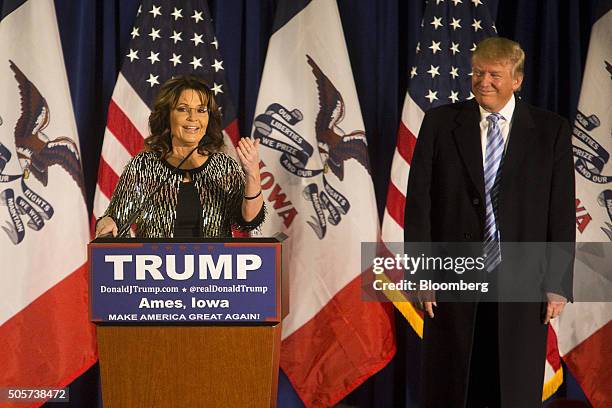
[[491, 169]]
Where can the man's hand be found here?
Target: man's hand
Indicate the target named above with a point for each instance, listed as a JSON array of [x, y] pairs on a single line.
[[554, 307], [427, 301]]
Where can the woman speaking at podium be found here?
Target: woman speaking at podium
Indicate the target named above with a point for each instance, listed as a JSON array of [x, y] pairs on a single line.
[[182, 184]]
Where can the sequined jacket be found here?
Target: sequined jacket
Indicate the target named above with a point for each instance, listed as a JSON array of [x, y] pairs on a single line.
[[219, 182]]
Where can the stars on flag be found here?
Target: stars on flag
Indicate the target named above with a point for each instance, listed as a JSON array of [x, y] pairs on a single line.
[[440, 74], [218, 65], [175, 60], [197, 16], [476, 25], [454, 96], [454, 72], [455, 23], [217, 88], [154, 57], [155, 10], [171, 38], [435, 46], [154, 34], [197, 39], [196, 62], [454, 48], [176, 36], [153, 80], [432, 96], [437, 22], [177, 13], [434, 71], [132, 55]]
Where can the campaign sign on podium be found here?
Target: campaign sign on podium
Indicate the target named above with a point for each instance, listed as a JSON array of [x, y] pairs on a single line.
[[181, 282]]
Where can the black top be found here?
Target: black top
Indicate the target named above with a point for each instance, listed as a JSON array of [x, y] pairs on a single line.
[[188, 206], [188, 211]]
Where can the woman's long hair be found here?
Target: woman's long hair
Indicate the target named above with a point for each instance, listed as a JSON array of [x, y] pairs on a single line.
[[160, 139]]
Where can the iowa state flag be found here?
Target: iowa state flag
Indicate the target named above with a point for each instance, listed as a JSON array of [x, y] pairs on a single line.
[[585, 328], [46, 339], [316, 178]]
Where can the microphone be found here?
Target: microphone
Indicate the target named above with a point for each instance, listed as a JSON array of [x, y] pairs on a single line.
[[126, 227]]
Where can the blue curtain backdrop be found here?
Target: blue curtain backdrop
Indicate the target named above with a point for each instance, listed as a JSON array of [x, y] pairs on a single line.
[[381, 36]]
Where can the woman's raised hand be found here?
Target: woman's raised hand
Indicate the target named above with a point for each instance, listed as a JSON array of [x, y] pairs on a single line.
[[248, 153]]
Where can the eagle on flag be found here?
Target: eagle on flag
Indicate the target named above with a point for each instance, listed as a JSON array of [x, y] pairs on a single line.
[[36, 152]]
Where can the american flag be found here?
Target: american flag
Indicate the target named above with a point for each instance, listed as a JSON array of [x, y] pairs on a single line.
[[169, 38], [441, 75]]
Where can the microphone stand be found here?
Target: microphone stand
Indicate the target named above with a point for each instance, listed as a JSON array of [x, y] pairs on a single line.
[[126, 227]]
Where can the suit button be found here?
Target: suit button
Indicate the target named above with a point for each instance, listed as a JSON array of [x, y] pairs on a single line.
[[467, 235], [475, 201]]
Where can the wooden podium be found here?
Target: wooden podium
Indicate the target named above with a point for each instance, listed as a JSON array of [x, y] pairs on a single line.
[[186, 363]]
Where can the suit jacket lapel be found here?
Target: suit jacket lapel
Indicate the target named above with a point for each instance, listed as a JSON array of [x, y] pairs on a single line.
[[467, 137], [518, 141]]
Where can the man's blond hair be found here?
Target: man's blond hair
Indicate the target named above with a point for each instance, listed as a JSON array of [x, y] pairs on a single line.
[[501, 49]]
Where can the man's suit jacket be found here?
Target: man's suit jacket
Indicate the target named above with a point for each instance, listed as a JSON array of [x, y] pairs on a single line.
[[445, 202]]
